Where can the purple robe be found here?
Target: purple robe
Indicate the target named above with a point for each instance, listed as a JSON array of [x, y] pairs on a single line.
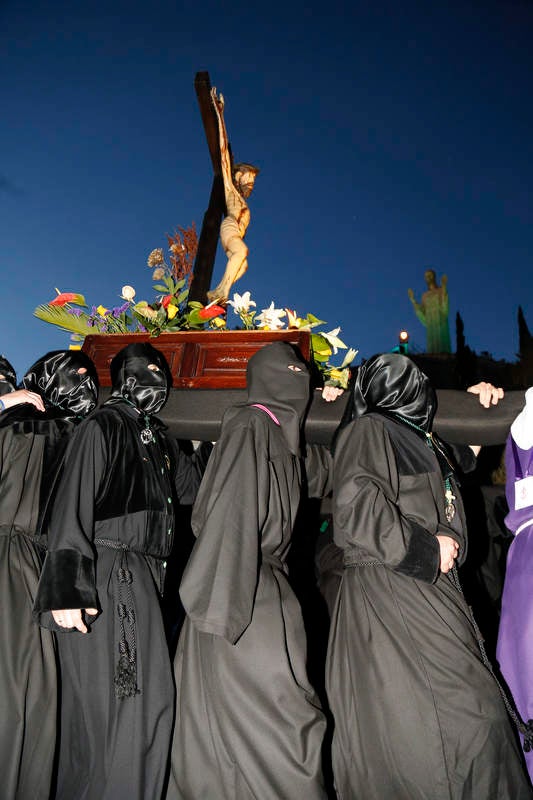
[[515, 636]]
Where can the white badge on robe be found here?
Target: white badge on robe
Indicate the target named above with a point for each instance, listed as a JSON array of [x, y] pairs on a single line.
[[523, 493]]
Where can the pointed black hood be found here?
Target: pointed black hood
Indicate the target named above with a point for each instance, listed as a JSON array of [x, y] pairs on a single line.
[[8, 383], [286, 392], [133, 381], [64, 391]]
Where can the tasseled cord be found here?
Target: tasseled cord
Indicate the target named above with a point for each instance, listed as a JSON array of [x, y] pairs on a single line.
[[526, 729], [125, 679], [126, 670]]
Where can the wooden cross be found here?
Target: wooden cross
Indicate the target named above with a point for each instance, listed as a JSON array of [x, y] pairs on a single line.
[[209, 234]]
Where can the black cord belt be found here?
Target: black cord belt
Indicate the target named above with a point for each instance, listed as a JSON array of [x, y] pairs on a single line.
[[8, 530], [355, 561], [114, 544]]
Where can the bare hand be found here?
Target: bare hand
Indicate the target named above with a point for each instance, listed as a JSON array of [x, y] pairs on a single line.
[[71, 618], [449, 550], [330, 393], [22, 396], [488, 394]]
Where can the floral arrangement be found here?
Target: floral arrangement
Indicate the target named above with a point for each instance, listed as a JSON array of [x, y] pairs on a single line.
[[172, 310], [323, 345]]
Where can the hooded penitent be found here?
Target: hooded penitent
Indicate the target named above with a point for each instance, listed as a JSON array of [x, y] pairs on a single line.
[[32, 443], [273, 382], [392, 383], [8, 378], [65, 391], [134, 381]]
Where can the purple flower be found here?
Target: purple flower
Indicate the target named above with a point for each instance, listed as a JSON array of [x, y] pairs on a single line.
[[76, 312]]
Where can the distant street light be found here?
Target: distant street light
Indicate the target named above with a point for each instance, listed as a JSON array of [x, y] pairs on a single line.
[[403, 343]]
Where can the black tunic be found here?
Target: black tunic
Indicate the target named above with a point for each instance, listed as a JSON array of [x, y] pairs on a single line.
[[417, 714], [248, 723], [110, 531], [29, 459]]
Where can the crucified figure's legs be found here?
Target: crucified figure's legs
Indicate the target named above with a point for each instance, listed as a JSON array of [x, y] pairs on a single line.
[[237, 254]]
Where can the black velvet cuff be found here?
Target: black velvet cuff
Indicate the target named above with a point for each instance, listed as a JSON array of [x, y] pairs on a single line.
[[422, 560], [67, 581]]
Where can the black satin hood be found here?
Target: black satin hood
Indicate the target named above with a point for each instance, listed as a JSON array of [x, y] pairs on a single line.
[[392, 384], [285, 392], [9, 382], [64, 392], [131, 379]]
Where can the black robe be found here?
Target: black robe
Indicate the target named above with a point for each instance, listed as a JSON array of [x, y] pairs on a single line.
[[418, 716], [248, 723], [30, 454], [110, 532]]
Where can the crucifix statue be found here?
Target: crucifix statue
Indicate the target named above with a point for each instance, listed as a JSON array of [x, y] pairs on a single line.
[[232, 185]]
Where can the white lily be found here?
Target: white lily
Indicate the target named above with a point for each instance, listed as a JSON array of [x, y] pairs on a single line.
[[333, 338], [348, 358], [270, 318], [241, 303]]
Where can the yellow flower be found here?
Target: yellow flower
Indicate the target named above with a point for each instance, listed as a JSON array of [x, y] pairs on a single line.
[[156, 257], [339, 376], [102, 311], [217, 322], [171, 311]]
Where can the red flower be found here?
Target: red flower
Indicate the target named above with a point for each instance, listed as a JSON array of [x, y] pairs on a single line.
[[165, 302], [211, 311], [66, 297]]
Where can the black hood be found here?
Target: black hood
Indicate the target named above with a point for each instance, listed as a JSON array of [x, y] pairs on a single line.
[[392, 384], [284, 391], [131, 379], [8, 383], [64, 391]]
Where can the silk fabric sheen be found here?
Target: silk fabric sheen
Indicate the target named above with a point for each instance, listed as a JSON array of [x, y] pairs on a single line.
[[9, 380], [132, 379], [56, 379], [392, 382]]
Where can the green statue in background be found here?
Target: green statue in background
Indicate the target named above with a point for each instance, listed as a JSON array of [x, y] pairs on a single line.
[[432, 311]]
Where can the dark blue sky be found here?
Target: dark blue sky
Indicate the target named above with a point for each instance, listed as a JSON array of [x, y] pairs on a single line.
[[390, 136]]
